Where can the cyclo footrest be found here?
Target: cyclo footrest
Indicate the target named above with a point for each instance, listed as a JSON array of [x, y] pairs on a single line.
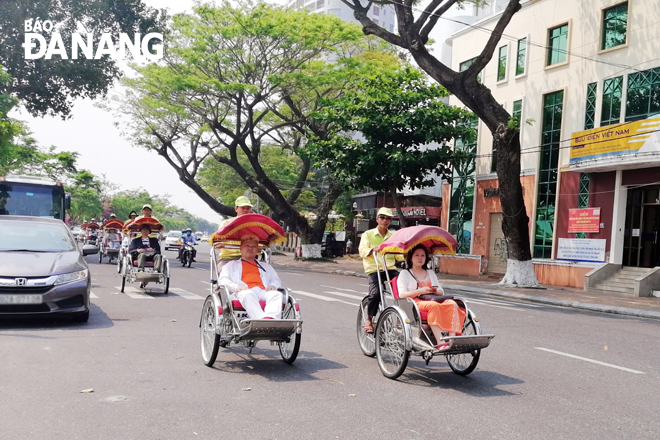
[[268, 329], [467, 344]]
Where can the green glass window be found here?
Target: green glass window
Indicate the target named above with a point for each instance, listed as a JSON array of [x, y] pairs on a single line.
[[462, 189], [590, 114], [465, 65], [643, 99], [521, 57], [611, 111], [557, 44], [615, 24], [547, 184], [501, 63]]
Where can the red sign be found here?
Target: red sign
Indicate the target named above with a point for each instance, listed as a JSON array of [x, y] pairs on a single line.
[[583, 220]]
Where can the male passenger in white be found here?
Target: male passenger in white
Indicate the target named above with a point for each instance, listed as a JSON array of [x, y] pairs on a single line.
[[250, 281]]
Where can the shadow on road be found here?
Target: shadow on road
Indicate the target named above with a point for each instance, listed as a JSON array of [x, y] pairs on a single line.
[[97, 319], [478, 384], [268, 364]]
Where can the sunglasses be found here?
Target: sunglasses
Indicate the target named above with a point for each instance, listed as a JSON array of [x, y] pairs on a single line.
[[384, 217]]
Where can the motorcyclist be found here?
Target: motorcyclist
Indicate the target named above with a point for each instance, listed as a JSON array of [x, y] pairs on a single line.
[[187, 238]]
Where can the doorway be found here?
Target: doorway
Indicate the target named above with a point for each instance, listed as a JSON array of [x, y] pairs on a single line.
[[641, 245]]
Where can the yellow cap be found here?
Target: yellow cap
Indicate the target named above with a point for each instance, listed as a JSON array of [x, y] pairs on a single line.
[[385, 211], [242, 201]]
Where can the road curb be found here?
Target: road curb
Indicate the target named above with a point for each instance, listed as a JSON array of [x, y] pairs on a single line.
[[625, 311]]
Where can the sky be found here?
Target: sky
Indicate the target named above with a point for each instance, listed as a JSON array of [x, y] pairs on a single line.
[[103, 151]]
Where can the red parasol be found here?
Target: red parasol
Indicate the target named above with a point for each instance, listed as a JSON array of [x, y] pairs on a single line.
[[435, 239], [113, 223], [136, 224], [89, 226], [258, 225]]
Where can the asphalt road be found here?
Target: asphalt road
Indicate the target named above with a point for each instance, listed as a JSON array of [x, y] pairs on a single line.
[[550, 373]]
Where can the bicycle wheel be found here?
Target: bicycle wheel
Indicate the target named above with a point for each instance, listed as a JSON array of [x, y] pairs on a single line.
[[366, 340], [465, 363], [391, 344], [209, 339], [289, 350]]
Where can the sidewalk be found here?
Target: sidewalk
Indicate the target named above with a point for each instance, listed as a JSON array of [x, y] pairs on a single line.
[[551, 295]]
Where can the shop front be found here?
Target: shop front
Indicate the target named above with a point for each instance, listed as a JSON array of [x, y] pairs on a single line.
[[621, 165]]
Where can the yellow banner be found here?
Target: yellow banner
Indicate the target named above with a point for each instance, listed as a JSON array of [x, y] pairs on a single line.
[[631, 137]]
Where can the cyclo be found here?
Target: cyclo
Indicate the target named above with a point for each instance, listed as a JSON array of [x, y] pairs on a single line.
[[128, 268], [89, 232], [224, 320], [110, 242], [401, 329]]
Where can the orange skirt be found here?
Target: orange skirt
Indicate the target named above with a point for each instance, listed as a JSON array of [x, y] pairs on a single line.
[[446, 315]]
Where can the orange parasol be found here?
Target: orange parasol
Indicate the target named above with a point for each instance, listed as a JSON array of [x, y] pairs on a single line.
[[113, 223], [434, 238], [264, 228], [136, 224]]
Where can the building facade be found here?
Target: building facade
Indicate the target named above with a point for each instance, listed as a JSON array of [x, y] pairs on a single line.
[[583, 81], [382, 15]]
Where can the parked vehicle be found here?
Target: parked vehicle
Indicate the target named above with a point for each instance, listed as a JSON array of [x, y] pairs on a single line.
[[41, 269]]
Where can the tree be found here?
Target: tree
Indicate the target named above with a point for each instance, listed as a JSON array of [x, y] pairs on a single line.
[[414, 27], [281, 165], [50, 86], [238, 79], [398, 115]]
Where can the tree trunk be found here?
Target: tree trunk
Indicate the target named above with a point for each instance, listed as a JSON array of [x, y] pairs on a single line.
[[397, 206], [515, 223]]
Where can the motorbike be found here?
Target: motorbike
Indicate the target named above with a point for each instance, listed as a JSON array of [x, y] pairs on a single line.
[[187, 254]]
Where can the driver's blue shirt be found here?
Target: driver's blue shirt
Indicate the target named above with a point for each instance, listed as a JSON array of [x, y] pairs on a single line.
[[188, 239]]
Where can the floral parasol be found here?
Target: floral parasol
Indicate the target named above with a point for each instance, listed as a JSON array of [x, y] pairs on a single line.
[[434, 238], [259, 225]]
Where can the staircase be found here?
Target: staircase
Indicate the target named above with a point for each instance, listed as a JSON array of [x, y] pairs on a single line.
[[622, 283]]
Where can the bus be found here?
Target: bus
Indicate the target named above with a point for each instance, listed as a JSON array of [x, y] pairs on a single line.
[[33, 196]]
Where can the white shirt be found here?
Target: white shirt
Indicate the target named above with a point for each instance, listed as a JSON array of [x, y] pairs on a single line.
[[407, 283], [231, 274]]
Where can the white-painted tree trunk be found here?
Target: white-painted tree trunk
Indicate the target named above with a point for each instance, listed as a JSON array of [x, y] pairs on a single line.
[[519, 273], [311, 251]]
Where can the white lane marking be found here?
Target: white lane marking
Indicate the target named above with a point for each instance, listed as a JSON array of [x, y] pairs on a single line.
[[482, 303], [92, 295], [345, 295], [324, 298], [629, 370], [296, 274], [504, 303], [345, 290], [363, 285], [135, 293], [185, 294]]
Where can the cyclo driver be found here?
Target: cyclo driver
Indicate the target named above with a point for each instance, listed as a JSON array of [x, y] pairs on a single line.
[[187, 238]]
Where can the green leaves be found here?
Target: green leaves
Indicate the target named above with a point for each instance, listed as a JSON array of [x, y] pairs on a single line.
[[404, 129]]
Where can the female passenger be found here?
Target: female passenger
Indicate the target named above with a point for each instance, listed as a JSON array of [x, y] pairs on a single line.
[[445, 316]]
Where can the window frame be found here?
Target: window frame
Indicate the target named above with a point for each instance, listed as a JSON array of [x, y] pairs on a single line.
[[602, 29], [480, 75], [548, 49], [506, 64], [526, 63]]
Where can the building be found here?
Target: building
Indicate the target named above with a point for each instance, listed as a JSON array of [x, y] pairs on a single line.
[[569, 72], [382, 15]]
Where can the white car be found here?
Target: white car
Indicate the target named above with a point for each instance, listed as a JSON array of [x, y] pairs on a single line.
[[172, 240]]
